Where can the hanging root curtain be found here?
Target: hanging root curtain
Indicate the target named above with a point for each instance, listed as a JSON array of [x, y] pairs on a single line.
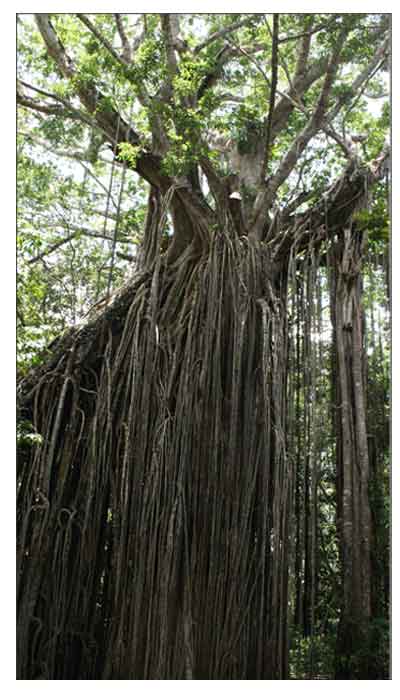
[[155, 510], [152, 533]]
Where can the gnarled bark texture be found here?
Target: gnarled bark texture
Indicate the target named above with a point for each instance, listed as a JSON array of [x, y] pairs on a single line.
[[153, 516], [353, 507]]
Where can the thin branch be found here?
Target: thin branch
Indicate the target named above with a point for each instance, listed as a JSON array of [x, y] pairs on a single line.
[[373, 96], [274, 82], [361, 91], [88, 94], [288, 162], [68, 113], [20, 315], [121, 60], [307, 34], [91, 212], [51, 249], [362, 79], [126, 256], [212, 77], [343, 143], [102, 39], [221, 33], [295, 203], [286, 97], [40, 107], [70, 110], [230, 50], [245, 52], [77, 232], [147, 164], [138, 40], [126, 48], [77, 156], [229, 97], [45, 93]]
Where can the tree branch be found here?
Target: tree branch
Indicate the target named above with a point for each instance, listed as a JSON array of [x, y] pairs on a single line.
[[348, 194], [169, 49], [361, 80], [89, 95], [291, 100], [286, 97], [54, 46], [230, 50], [70, 110], [221, 33], [211, 78], [53, 110], [274, 82], [45, 93], [179, 44], [126, 47], [304, 77], [190, 209], [302, 57], [295, 204], [306, 35], [265, 198], [79, 156], [343, 143], [126, 256], [102, 39], [147, 165], [78, 231], [51, 249], [229, 97], [120, 59]]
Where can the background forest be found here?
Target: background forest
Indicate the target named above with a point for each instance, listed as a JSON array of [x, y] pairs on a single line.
[[203, 325]]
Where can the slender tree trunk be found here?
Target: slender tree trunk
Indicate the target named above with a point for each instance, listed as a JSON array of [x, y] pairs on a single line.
[[299, 433], [378, 442], [354, 515]]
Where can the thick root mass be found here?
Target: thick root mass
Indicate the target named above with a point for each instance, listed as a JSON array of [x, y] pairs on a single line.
[[153, 513]]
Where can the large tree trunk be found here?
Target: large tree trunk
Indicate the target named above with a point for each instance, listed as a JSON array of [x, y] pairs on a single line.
[[353, 508], [153, 515]]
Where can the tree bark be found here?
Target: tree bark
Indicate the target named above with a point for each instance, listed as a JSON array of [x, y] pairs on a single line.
[[354, 515], [153, 515]]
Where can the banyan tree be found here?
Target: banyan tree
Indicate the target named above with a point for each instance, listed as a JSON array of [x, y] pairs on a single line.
[[157, 512]]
